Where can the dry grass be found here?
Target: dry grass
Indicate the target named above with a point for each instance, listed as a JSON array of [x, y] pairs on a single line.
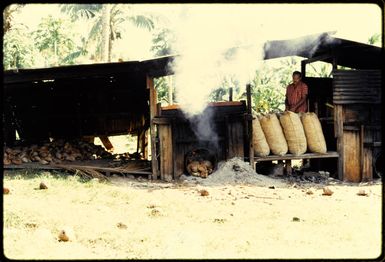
[[124, 218]]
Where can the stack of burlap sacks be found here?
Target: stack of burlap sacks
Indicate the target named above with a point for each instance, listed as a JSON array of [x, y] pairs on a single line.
[[291, 132]]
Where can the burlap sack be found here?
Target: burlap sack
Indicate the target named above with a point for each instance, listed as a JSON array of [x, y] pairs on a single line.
[[294, 133], [274, 134], [261, 148], [314, 134]]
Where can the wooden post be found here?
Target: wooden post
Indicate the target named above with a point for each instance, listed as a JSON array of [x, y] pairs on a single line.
[[250, 126], [367, 154], [174, 164], [339, 134], [153, 113], [288, 168], [145, 145], [142, 140], [303, 68]]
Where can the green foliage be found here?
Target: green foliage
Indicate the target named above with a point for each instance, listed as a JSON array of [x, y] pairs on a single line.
[[222, 93], [162, 41], [269, 90], [161, 84], [8, 13], [374, 39], [319, 69], [54, 41], [18, 50]]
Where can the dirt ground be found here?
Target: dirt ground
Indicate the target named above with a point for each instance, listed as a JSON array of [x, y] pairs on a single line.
[[131, 218]]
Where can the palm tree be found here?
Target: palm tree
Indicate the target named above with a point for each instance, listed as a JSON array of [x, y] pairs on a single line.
[[110, 19]]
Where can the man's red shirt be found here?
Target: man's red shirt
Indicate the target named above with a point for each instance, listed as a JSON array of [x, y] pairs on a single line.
[[294, 93]]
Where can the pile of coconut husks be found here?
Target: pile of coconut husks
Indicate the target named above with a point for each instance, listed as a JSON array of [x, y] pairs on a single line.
[[54, 152]]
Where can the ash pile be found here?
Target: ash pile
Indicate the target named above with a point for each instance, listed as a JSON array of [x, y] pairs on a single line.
[[320, 177], [232, 172], [301, 175]]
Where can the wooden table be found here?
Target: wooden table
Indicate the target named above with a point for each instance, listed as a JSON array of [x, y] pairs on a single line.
[[289, 157]]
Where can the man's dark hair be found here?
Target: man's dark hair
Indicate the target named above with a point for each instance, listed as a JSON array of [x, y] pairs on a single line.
[[297, 73]]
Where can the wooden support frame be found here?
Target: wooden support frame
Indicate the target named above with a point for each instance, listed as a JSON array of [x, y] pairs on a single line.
[[153, 113]]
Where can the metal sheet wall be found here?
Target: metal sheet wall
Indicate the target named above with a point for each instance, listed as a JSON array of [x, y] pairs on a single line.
[[357, 86]]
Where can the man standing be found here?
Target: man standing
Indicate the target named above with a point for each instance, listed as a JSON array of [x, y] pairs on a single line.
[[296, 94]]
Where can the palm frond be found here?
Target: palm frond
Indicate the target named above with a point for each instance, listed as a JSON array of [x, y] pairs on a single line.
[[142, 21]]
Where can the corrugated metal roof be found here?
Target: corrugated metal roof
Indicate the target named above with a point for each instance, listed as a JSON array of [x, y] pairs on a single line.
[[347, 53]]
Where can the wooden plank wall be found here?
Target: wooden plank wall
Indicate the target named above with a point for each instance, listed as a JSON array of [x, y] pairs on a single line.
[[166, 155], [235, 132], [352, 156]]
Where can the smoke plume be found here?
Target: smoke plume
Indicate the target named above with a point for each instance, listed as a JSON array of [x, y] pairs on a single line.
[[209, 51]]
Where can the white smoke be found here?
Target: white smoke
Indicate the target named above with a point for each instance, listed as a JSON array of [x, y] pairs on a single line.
[[206, 55]]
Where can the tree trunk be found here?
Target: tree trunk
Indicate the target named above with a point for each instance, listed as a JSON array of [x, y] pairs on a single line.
[[105, 32], [110, 46]]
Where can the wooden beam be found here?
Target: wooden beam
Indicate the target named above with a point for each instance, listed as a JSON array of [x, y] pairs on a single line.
[[329, 154], [316, 58], [106, 142], [153, 113]]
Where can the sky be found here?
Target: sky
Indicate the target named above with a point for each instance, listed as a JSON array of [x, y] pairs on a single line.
[[256, 22]]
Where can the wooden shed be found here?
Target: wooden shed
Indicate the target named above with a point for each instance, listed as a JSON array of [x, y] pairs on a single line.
[[349, 103], [120, 98]]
